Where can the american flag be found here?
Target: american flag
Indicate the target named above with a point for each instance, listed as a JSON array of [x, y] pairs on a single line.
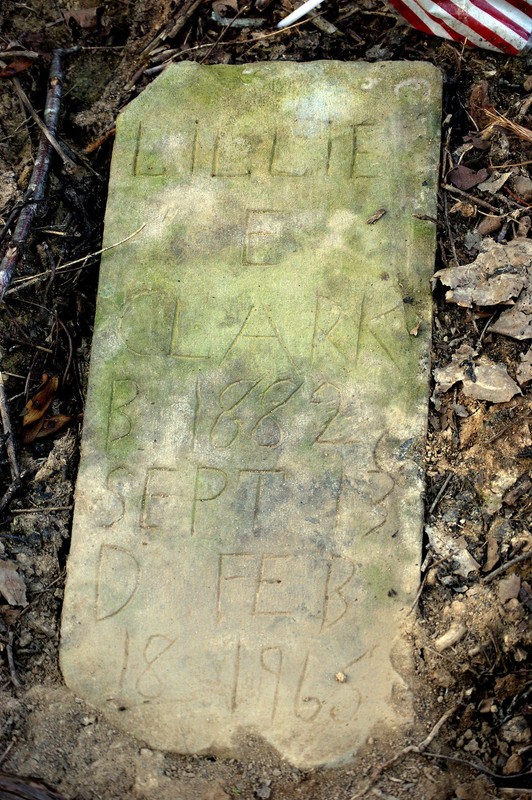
[[501, 25]]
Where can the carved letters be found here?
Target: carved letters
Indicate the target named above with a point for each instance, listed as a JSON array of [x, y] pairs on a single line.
[[247, 510], [293, 152]]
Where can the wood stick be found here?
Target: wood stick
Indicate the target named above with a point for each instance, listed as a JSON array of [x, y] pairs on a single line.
[[508, 565], [39, 175], [8, 433]]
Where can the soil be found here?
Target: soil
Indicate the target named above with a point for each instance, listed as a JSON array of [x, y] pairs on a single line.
[[478, 486]]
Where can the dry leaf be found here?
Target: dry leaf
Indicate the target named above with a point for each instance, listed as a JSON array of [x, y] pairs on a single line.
[[524, 370], [446, 377], [37, 406], [465, 178], [517, 321], [508, 588], [522, 186], [482, 379], [498, 274], [86, 18], [489, 225], [30, 433], [53, 424], [465, 209], [221, 6], [15, 66], [12, 587], [492, 555], [489, 381], [478, 102], [376, 216], [445, 546], [495, 182]]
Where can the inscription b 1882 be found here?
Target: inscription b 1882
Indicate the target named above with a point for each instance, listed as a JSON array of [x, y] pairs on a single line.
[[247, 527]]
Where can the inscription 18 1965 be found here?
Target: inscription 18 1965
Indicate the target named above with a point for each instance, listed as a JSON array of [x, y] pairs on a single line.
[[248, 513]]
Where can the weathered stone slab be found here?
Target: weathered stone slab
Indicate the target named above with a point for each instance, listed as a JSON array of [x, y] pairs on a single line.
[[248, 514]]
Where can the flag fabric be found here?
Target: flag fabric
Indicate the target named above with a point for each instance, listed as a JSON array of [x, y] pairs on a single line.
[[501, 25]]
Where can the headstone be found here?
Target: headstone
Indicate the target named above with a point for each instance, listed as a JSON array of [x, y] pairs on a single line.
[[248, 514]]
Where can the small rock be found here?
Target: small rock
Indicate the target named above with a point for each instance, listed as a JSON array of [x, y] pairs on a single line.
[[516, 729], [264, 791], [489, 225], [508, 588], [522, 186], [514, 764], [525, 223], [451, 637]]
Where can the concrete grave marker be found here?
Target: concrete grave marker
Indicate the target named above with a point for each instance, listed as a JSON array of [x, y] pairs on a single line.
[[248, 512]]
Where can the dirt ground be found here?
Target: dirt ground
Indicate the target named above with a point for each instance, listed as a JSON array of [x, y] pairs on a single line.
[[474, 591]]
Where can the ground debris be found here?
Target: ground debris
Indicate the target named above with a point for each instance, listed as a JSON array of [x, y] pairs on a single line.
[[481, 379], [524, 370], [508, 588], [516, 322], [12, 586], [498, 275], [448, 547]]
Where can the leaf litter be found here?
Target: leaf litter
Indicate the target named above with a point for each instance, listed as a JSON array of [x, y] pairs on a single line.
[[12, 586], [481, 378]]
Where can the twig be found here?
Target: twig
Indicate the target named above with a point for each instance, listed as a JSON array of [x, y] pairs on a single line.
[[484, 329], [40, 509], [8, 433], [173, 29], [413, 748], [39, 175], [40, 124], [6, 751], [470, 197], [503, 122], [11, 662], [473, 765], [440, 493], [38, 593], [508, 565], [449, 231], [39, 275], [243, 10], [9, 494], [236, 43]]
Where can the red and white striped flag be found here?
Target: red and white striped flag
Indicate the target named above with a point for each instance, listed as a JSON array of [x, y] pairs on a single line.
[[501, 25]]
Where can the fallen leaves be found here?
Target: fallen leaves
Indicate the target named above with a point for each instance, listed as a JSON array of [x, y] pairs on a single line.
[[482, 379], [498, 275], [376, 216], [34, 422], [466, 178], [12, 586], [447, 547], [36, 407], [15, 67], [524, 370], [517, 321], [508, 588], [495, 182], [87, 18]]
